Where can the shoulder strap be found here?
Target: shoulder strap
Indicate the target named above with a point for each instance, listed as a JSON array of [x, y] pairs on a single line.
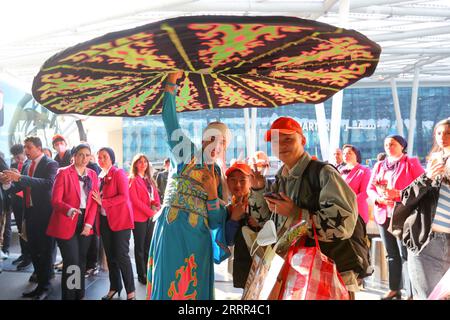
[[311, 178], [312, 172]]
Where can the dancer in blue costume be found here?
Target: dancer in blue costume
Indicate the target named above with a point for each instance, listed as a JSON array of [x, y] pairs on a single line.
[[180, 264]]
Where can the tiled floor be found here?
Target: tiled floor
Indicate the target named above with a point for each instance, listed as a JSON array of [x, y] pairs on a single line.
[[13, 283]]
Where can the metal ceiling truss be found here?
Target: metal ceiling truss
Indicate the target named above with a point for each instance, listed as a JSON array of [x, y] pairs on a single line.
[[411, 33]]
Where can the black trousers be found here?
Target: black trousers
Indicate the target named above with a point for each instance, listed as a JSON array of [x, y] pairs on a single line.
[[116, 244], [92, 253], [41, 246], [74, 253], [142, 233], [17, 207]]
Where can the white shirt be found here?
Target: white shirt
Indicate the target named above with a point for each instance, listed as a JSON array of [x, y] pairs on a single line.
[[104, 172], [388, 176], [150, 192], [83, 195], [36, 163]]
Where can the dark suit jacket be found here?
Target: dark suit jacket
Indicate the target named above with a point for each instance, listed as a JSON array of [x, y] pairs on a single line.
[[41, 185], [161, 181]]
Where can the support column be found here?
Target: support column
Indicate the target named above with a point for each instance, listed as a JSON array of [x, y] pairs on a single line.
[[412, 114], [398, 114], [336, 116], [336, 111], [322, 130], [344, 11], [247, 132], [254, 117]]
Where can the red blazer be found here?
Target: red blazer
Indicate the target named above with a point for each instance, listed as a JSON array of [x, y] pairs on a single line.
[[116, 200], [140, 200], [66, 195], [406, 172], [358, 179]]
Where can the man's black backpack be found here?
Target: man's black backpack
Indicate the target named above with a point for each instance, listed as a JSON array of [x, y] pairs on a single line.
[[348, 254]]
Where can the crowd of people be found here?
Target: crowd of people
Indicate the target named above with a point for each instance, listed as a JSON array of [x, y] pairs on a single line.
[[188, 217]]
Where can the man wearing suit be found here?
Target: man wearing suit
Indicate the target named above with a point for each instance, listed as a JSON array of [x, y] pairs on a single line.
[[36, 181], [161, 179], [20, 158]]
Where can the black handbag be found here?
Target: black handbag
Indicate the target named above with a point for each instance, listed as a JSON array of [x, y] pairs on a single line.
[[348, 254]]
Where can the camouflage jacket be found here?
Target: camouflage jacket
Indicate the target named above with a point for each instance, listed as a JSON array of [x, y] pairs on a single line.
[[337, 215]]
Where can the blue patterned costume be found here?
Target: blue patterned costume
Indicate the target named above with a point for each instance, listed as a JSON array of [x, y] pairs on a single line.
[[181, 255]]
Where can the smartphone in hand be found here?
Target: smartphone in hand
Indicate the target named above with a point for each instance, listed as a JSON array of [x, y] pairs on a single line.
[[273, 195]]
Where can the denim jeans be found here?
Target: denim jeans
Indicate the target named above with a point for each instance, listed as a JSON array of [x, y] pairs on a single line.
[[397, 256], [430, 265], [6, 231]]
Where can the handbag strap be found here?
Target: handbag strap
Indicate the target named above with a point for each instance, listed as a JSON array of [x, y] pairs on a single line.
[[315, 234]]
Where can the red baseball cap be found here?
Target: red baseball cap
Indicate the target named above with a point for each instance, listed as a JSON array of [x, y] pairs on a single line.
[[57, 137], [241, 166], [284, 125]]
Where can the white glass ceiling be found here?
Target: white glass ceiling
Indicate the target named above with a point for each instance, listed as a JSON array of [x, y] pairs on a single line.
[[411, 33]]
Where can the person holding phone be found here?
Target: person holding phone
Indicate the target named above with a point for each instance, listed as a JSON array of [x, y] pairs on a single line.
[[36, 181], [329, 203], [273, 195], [74, 213], [426, 229]]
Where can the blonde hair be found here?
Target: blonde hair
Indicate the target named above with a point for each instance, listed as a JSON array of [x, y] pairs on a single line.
[[435, 147]]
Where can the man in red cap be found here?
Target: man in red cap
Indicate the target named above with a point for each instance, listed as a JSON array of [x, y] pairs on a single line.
[[63, 155], [308, 189], [242, 215]]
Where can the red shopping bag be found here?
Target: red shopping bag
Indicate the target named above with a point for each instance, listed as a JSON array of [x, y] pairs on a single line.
[[310, 275]]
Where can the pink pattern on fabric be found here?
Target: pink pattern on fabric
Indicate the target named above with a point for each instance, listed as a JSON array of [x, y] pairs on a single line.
[[213, 205]]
